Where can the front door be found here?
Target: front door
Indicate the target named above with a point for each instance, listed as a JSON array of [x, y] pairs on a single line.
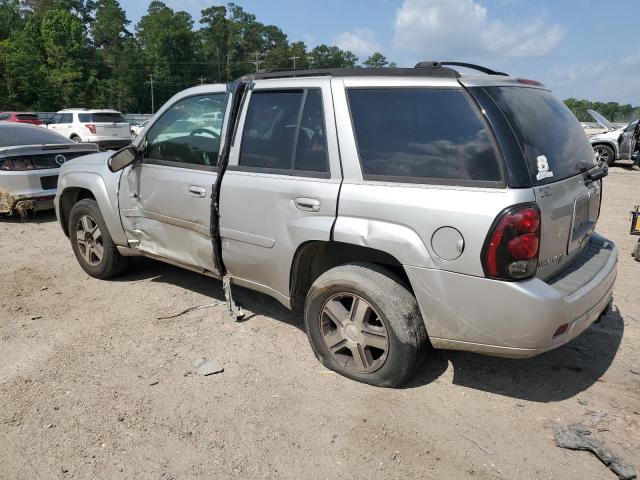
[[165, 201], [627, 141], [281, 187]]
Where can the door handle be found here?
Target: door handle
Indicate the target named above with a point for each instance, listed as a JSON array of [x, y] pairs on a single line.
[[196, 191], [307, 204]]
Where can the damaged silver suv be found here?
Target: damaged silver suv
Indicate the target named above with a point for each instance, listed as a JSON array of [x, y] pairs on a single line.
[[399, 209]]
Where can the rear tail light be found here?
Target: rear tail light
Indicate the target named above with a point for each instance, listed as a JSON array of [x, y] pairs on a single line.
[[512, 246], [91, 127], [17, 164]]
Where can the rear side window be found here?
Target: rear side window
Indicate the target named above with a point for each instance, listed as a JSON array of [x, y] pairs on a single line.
[[285, 131], [27, 116], [422, 135], [552, 140], [84, 117]]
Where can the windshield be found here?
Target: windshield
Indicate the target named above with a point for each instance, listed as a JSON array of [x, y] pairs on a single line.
[[12, 135], [552, 140]]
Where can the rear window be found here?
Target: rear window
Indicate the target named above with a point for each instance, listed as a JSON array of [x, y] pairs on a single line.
[[422, 135], [552, 140], [27, 116], [11, 135], [102, 118]]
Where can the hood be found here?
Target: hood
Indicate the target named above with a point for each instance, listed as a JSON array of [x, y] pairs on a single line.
[[93, 159], [601, 120]]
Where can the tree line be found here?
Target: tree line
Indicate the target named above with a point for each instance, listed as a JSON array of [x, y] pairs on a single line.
[[85, 53], [612, 111]]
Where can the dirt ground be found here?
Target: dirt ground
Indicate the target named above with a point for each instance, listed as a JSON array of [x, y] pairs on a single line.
[[94, 385]]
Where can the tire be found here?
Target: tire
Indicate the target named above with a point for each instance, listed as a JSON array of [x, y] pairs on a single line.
[[96, 252], [390, 310], [604, 153], [76, 139]]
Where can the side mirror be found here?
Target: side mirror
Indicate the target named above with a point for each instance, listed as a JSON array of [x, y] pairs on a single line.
[[123, 158]]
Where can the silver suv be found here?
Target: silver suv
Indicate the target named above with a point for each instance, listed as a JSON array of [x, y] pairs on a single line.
[[399, 209]]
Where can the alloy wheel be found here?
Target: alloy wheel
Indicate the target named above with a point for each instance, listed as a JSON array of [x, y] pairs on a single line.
[[601, 154], [89, 239], [354, 333]]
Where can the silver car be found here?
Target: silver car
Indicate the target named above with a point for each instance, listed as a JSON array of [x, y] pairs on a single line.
[[30, 158], [396, 209], [616, 143]]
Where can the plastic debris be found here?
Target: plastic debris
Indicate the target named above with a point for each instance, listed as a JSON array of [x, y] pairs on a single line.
[[578, 437], [208, 366]]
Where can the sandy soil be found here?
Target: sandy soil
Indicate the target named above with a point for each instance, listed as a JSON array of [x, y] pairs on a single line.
[[94, 385]]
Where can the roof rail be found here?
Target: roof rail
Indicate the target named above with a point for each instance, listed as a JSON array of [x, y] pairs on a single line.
[[436, 71], [472, 66]]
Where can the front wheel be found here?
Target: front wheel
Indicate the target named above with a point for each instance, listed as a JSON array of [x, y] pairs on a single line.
[[363, 323], [91, 242]]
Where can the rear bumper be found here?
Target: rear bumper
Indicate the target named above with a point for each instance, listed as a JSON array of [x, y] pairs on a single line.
[[513, 319], [21, 191]]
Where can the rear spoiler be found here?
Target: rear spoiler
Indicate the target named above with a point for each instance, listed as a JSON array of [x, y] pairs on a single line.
[[51, 147]]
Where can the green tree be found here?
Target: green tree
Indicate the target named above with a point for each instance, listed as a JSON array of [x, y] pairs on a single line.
[[324, 56], [376, 60]]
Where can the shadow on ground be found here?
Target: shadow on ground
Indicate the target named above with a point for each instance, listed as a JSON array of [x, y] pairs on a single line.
[[553, 376], [45, 216]]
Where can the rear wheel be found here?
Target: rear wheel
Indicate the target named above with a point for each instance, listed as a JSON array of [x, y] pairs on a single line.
[[604, 154], [76, 139], [91, 242], [363, 323]]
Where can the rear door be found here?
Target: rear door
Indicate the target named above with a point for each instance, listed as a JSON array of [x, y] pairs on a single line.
[[558, 157], [281, 187]]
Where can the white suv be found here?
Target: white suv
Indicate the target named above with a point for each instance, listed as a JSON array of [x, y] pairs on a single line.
[[107, 128]]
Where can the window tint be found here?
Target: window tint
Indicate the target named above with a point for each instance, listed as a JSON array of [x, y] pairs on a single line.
[[285, 130], [19, 134], [27, 116], [185, 134], [84, 117], [66, 118], [552, 140], [420, 134], [108, 118]]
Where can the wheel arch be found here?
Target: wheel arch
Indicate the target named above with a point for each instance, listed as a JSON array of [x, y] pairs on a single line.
[[609, 144], [314, 258], [75, 186]]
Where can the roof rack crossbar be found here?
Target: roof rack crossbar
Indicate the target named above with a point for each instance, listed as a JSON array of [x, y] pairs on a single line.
[[472, 66]]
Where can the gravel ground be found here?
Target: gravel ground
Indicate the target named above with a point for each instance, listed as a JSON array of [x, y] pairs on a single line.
[[94, 385]]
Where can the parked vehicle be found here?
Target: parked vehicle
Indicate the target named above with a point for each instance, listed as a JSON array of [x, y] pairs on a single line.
[[616, 143], [30, 158], [397, 208], [20, 117], [136, 129], [106, 128]]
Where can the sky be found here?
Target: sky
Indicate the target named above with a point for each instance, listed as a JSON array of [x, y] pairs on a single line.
[[580, 48]]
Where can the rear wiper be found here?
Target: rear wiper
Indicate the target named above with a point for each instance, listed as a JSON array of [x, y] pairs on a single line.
[[599, 172]]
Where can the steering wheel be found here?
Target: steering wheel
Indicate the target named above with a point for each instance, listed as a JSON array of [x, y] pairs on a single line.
[[204, 130]]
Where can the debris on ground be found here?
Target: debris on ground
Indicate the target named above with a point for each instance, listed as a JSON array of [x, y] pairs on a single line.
[[191, 309], [578, 437], [208, 366]]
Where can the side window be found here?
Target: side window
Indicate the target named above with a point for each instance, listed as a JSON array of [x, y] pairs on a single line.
[[4, 116], [285, 131], [55, 119], [188, 132], [66, 118], [632, 126], [421, 135], [84, 117]]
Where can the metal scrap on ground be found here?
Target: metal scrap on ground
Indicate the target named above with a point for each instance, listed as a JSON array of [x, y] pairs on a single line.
[[577, 437], [191, 309]]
